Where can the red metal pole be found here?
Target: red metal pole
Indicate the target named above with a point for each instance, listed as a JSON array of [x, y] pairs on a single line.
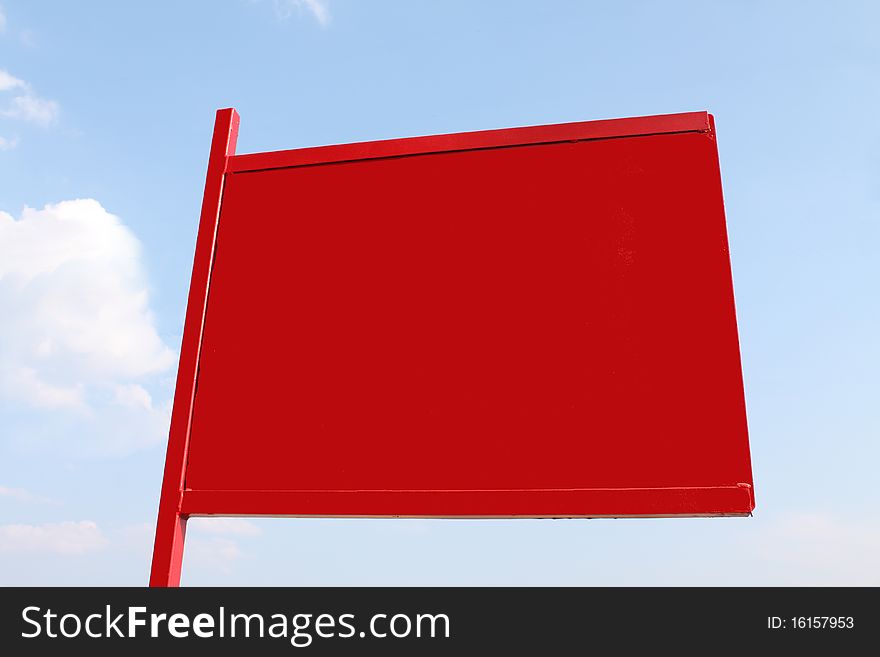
[[171, 523]]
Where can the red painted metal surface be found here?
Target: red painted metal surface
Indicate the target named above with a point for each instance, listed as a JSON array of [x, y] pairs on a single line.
[[535, 322], [171, 524]]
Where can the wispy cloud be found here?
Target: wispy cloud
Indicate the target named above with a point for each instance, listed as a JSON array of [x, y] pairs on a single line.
[[319, 9], [8, 81], [213, 554], [26, 105], [212, 544], [821, 549], [33, 109], [225, 526], [63, 538], [28, 384], [23, 496]]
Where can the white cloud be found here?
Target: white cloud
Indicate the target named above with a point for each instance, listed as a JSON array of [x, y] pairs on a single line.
[[72, 283], [77, 332], [133, 395], [32, 109], [821, 549], [27, 105], [209, 546], [228, 526], [23, 496], [135, 538], [7, 143], [27, 384], [65, 538], [9, 82], [317, 8], [215, 554], [18, 494]]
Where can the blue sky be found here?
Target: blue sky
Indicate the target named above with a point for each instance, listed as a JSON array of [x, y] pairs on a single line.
[[106, 112]]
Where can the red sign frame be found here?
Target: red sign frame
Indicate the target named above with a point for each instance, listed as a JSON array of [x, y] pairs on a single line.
[[669, 160]]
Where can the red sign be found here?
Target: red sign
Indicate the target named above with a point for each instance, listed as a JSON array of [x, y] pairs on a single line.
[[534, 322]]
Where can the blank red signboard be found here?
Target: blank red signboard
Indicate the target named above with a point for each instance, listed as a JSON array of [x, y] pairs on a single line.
[[534, 322]]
